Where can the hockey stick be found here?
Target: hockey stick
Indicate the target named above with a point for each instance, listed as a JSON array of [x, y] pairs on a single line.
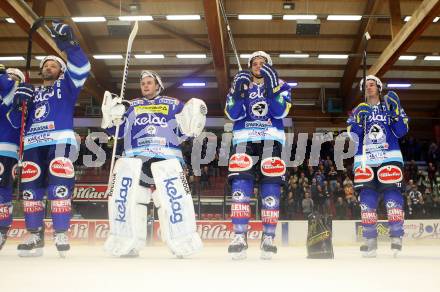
[[121, 96], [36, 25], [231, 39], [364, 93]]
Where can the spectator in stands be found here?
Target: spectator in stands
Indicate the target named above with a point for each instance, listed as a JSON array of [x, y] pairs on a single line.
[[341, 209], [415, 203], [332, 177], [325, 195], [290, 208], [354, 207], [204, 178], [307, 205], [431, 172], [434, 153]]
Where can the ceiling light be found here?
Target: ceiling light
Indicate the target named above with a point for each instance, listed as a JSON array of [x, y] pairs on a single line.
[[330, 56], [407, 18], [432, 58], [194, 84], [296, 56], [136, 18], [245, 56], [299, 17], [191, 56], [107, 57], [408, 58], [255, 16], [40, 57], [183, 17], [344, 17], [12, 58], [292, 84], [436, 19], [398, 85], [89, 19], [150, 56], [10, 20]]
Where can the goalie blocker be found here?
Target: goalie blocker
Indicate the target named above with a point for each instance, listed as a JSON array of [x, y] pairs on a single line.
[[127, 208], [319, 237]]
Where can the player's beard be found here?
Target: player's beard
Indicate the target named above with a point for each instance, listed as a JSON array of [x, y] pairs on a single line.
[[49, 76]]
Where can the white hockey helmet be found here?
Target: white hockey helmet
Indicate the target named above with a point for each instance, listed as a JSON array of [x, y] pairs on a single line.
[[54, 58], [372, 77], [259, 54], [152, 74], [16, 72]]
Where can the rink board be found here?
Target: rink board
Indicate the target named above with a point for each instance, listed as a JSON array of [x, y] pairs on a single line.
[[288, 232]]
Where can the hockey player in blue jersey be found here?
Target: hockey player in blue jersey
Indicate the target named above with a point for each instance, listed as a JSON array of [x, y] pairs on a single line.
[[152, 128], [49, 142], [9, 140], [378, 124], [257, 103]]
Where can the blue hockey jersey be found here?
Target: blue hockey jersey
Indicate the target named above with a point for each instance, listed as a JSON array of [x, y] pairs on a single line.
[[50, 112], [10, 129], [149, 128], [259, 118], [382, 136]]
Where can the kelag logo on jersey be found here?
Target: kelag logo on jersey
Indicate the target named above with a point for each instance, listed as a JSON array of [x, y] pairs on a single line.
[[151, 120], [42, 110], [258, 109]]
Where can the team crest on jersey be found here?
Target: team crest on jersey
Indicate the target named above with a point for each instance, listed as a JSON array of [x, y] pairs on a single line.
[[240, 162], [270, 202], [361, 176], [42, 110], [273, 166], [238, 196], [61, 191], [259, 109], [30, 172], [377, 134], [2, 168], [150, 130], [28, 195], [389, 174], [62, 167]]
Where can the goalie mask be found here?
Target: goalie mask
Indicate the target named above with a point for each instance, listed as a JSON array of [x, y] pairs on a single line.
[[155, 76], [372, 77], [259, 54]]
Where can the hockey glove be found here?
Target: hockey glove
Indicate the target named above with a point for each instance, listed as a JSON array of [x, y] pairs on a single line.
[[271, 81], [240, 84], [362, 111], [393, 104], [63, 36], [113, 110], [23, 93]]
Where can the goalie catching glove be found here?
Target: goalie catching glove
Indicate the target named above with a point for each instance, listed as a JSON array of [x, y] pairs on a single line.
[[113, 110], [192, 118]]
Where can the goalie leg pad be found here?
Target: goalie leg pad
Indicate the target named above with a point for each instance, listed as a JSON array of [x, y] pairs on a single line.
[[176, 211], [127, 209]]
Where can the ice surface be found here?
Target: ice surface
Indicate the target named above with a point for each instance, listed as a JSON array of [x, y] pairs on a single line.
[[88, 268]]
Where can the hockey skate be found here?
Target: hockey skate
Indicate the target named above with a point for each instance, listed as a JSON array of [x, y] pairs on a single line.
[[268, 249], [369, 248], [396, 245], [134, 253], [62, 243], [33, 245], [238, 246], [3, 237]]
